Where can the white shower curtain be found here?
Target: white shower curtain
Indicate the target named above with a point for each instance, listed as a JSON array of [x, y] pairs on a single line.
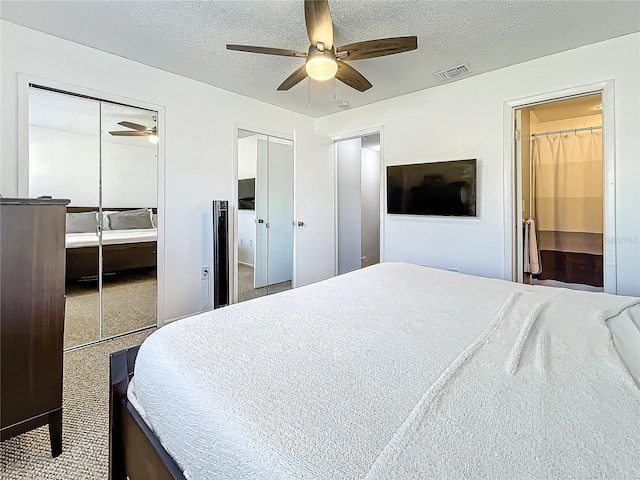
[[567, 190]]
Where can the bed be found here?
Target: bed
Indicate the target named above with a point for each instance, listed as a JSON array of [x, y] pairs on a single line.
[[393, 371], [124, 249]]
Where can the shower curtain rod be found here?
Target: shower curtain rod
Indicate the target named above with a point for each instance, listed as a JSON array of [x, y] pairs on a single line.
[[565, 131]]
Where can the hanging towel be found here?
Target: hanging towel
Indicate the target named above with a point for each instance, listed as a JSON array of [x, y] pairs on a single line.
[[532, 263]]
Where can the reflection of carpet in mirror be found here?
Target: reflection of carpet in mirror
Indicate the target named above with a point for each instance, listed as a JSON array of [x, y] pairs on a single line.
[[128, 302], [245, 285]]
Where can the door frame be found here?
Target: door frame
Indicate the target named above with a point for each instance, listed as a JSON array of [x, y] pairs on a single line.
[[383, 184], [513, 179], [233, 202], [24, 81]]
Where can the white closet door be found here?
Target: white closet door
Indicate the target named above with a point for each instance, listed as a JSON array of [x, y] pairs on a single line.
[[314, 238], [280, 211]]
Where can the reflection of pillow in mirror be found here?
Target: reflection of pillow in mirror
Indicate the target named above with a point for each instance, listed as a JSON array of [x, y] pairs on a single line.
[[105, 218], [83, 222], [130, 219], [154, 220]]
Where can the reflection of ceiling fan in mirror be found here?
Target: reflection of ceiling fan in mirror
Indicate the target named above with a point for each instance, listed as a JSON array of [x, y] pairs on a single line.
[[326, 60], [137, 130]]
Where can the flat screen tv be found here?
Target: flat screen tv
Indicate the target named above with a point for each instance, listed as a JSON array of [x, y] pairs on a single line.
[[247, 194], [438, 188]]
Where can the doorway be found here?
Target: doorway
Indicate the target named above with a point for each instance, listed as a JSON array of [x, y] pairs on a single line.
[[103, 157], [560, 193], [358, 173], [265, 214]]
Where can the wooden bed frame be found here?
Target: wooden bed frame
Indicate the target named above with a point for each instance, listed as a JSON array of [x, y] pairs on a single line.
[[134, 450], [82, 262]]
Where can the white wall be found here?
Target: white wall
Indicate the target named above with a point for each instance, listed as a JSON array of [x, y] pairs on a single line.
[[246, 235], [66, 165], [199, 140], [247, 153], [464, 119], [129, 176]]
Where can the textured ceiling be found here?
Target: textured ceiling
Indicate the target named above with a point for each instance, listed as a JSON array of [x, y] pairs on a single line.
[[85, 117], [189, 37]]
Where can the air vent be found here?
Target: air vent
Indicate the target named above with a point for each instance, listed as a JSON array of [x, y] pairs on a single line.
[[453, 72]]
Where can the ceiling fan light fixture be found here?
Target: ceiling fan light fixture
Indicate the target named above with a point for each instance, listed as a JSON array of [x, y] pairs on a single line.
[[325, 60], [153, 138], [321, 67]]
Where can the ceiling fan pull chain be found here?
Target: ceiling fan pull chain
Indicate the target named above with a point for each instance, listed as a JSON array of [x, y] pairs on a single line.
[[309, 94], [334, 88]]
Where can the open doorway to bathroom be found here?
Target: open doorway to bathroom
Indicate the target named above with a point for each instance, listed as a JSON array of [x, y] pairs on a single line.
[[358, 172], [560, 193]]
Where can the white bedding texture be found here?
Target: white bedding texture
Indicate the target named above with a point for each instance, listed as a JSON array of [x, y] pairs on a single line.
[[111, 237], [396, 371]]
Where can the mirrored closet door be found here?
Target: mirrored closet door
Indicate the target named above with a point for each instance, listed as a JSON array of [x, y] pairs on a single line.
[[103, 157], [265, 215]]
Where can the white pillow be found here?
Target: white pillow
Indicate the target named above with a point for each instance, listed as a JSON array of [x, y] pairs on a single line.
[[82, 222], [130, 219]]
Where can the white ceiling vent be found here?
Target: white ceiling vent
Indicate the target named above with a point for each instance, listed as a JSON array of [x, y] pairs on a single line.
[[453, 72]]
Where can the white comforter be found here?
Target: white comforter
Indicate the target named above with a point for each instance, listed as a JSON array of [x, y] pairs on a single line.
[[112, 237], [330, 380]]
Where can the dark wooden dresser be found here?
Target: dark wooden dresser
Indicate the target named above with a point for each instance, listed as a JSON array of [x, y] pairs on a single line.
[[32, 282]]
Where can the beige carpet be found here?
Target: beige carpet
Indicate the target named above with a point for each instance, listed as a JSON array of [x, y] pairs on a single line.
[[245, 285], [85, 422], [129, 302]]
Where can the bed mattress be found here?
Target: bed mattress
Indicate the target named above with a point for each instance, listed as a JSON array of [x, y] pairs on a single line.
[[314, 382], [111, 237]]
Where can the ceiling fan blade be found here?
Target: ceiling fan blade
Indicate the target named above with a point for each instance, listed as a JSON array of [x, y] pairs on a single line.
[[130, 133], [350, 76], [317, 16], [296, 77], [378, 48], [267, 51], [135, 126]]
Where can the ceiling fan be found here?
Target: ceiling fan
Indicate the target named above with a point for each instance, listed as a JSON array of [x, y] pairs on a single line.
[[137, 130], [324, 60]]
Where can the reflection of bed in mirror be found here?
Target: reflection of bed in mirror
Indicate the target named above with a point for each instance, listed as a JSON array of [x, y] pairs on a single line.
[[125, 248]]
